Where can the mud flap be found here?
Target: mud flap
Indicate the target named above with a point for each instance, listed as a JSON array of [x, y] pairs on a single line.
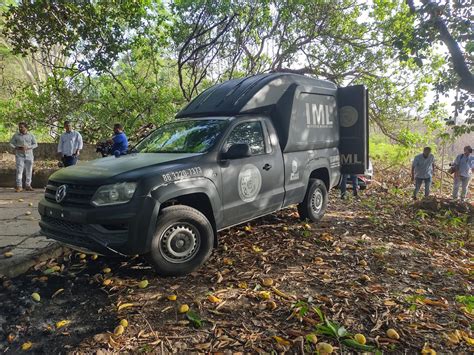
[[353, 129]]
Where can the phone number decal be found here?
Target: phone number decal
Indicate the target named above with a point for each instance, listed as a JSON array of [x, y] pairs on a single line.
[[181, 174]]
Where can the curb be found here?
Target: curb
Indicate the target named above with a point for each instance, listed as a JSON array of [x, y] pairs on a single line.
[[14, 267]]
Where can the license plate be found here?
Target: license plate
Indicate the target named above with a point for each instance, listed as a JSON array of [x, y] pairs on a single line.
[[55, 213]]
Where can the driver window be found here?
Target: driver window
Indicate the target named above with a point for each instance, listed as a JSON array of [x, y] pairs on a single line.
[[250, 133]]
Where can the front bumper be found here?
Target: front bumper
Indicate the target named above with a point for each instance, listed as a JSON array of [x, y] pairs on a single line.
[[110, 230]]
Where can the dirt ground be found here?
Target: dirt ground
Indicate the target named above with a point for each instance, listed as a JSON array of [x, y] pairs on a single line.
[[374, 263]]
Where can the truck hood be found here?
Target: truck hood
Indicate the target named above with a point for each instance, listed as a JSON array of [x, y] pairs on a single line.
[[100, 170]]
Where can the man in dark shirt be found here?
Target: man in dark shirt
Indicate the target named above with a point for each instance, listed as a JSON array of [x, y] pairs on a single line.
[[119, 140]]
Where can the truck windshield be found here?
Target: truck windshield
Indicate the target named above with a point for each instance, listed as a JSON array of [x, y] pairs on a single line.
[[195, 136]]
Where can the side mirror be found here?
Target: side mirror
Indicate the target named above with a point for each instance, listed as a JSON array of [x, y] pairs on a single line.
[[237, 151]]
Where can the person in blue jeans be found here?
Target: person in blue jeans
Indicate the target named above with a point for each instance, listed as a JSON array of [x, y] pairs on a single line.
[[422, 170], [344, 185], [119, 140]]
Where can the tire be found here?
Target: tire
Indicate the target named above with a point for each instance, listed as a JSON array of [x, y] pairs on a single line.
[[315, 201], [182, 242]]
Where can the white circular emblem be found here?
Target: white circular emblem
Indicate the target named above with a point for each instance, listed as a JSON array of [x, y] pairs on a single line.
[[61, 193], [348, 116], [249, 183]]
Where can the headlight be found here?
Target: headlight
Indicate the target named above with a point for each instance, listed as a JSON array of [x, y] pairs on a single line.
[[114, 194]]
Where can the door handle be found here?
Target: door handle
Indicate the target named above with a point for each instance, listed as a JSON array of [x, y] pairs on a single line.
[[267, 167]]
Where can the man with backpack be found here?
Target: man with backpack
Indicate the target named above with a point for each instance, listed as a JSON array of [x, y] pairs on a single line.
[[463, 167]]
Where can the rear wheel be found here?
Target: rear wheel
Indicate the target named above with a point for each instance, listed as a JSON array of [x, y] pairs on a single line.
[[183, 241], [315, 202]]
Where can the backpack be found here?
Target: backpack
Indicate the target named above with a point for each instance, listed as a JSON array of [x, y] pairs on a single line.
[[454, 168]]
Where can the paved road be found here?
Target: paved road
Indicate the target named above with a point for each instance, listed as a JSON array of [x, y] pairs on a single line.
[[21, 245]]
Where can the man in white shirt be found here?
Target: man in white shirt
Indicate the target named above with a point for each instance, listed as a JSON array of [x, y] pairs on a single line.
[[422, 170], [70, 145], [23, 142], [463, 169]]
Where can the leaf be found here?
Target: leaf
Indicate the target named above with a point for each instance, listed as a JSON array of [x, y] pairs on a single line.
[[26, 346], [281, 340], [214, 299], [355, 345], [282, 294], [62, 323], [194, 318], [434, 303], [256, 249], [125, 305], [333, 327], [319, 313], [57, 292]]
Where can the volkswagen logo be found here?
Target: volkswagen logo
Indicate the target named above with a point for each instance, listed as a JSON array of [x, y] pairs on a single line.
[[61, 193]]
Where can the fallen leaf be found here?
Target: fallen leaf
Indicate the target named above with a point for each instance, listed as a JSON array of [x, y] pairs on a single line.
[[427, 350], [57, 292], [434, 303], [26, 346], [125, 305], [62, 323], [118, 331], [213, 299], [242, 285], [389, 303], [228, 261], [281, 340]]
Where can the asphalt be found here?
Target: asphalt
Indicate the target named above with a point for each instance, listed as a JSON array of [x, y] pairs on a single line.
[[21, 244]]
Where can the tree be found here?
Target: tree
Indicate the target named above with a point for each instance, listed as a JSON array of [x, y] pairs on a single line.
[[346, 42], [448, 23], [106, 60]]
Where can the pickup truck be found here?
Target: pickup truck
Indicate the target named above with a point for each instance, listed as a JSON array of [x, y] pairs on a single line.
[[240, 150]]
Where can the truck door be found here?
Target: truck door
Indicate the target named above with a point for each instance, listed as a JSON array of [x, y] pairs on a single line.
[[251, 186], [352, 102]]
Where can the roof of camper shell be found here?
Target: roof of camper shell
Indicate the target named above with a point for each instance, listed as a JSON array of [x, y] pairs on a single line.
[[250, 94]]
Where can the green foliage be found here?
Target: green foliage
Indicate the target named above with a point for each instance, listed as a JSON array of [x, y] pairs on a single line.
[[391, 153], [451, 219], [94, 33], [137, 62], [194, 318], [467, 301]]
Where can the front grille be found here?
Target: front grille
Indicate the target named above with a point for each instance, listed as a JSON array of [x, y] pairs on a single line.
[[63, 225], [75, 194]]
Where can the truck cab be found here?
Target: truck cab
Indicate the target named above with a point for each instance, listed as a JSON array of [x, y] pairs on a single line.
[[240, 150]]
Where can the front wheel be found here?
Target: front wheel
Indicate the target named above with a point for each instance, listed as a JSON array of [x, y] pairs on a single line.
[[315, 201], [183, 241]]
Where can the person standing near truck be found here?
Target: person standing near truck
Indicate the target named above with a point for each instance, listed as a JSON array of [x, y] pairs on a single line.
[[422, 170], [355, 184], [23, 142], [70, 145], [463, 168], [119, 140]]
